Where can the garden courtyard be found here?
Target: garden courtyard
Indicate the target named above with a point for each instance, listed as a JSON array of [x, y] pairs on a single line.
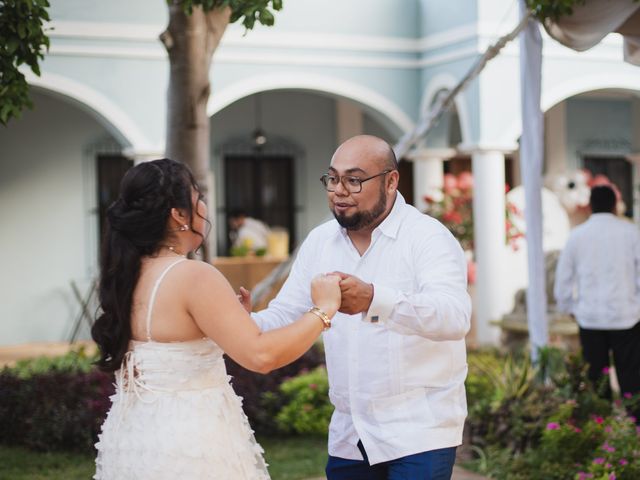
[[524, 422]]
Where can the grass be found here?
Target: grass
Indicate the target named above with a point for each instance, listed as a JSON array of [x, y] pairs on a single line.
[[292, 458]]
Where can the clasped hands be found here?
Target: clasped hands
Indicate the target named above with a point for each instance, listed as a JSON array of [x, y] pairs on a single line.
[[356, 295]]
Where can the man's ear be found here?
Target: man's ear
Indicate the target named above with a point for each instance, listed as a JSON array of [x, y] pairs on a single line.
[[394, 177]]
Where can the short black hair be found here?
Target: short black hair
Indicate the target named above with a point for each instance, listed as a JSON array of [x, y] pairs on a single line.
[[603, 199], [236, 212], [391, 160]]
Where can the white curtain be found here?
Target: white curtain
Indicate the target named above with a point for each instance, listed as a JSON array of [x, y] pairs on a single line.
[[594, 20], [531, 158]]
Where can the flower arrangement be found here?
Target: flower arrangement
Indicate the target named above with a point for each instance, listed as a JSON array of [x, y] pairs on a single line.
[[574, 188], [453, 207]]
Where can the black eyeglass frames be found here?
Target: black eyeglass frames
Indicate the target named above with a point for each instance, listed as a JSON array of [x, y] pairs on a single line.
[[351, 183]]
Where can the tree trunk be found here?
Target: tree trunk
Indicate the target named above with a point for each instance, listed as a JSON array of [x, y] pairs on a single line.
[[190, 41]]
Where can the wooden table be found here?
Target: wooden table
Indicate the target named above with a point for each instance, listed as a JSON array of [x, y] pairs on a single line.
[[247, 271]]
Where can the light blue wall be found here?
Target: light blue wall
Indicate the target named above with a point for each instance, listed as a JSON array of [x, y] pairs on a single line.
[[47, 213], [440, 16], [398, 18], [399, 86], [470, 97], [597, 126], [112, 11]]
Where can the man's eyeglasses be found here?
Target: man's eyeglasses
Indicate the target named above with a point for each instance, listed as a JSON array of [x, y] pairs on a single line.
[[350, 183]]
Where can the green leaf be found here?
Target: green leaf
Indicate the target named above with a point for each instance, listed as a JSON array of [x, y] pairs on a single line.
[[266, 17]]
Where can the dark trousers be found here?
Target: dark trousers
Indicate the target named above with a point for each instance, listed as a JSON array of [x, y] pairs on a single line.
[[431, 465], [625, 347]]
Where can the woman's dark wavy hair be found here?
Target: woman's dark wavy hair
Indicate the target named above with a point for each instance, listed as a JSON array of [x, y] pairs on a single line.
[[136, 226]]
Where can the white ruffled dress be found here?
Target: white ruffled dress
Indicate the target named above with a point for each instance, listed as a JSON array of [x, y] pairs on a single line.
[[175, 416]]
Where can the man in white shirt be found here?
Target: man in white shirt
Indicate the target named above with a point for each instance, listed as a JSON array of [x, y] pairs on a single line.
[[598, 282], [396, 355]]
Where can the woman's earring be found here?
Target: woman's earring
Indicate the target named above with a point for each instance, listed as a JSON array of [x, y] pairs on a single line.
[[184, 228]]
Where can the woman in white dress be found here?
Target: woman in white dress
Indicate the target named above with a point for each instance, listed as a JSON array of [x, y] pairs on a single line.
[[164, 325]]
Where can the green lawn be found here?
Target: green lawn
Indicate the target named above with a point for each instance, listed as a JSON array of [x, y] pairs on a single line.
[[292, 458]]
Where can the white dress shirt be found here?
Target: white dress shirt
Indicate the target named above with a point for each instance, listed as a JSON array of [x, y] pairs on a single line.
[[396, 373], [598, 274]]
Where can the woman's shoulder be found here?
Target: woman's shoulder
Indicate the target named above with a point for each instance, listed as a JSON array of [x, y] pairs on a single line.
[[197, 270]]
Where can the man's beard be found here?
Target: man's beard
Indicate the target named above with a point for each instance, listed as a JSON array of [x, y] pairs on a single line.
[[360, 220]]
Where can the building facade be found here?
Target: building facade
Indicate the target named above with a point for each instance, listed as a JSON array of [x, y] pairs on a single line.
[[327, 71]]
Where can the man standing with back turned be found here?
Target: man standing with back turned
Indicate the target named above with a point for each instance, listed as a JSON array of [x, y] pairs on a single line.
[[395, 354], [598, 282]]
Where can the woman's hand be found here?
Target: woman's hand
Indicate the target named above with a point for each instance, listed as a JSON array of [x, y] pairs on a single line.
[[244, 296], [325, 293]]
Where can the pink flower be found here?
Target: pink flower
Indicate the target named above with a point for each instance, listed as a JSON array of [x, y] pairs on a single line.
[[605, 370], [598, 461], [612, 476], [577, 429], [471, 272], [600, 180], [608, 448], [608, 429], [553, 426], [313, 386], [628, 395], [465, 181], [450, 183], [623, 462], [598, 420]]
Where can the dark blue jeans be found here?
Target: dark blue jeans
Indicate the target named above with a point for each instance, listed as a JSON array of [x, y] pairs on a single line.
[[431, 465]]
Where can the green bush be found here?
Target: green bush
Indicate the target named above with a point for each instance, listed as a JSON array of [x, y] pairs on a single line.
[[546, 422], [54, 403], [307, 409], [75, 361]]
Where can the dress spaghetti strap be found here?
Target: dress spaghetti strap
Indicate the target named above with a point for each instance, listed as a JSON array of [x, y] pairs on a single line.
[[152, 299]]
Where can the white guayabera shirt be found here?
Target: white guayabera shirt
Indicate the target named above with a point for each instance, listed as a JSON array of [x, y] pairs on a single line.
[[396, 373], [598, 274]]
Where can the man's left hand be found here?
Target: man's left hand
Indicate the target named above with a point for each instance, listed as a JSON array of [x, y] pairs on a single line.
[[356, 294]]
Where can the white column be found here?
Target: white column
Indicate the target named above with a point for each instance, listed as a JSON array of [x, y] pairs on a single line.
[[428, 173], [556, 140], [489, 240], [427, 178]]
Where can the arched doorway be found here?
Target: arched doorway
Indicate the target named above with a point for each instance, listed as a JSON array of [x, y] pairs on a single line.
[[302, 129], [49, 203]]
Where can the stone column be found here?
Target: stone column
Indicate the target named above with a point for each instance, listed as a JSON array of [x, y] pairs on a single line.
[[489, 241], [428, 173]]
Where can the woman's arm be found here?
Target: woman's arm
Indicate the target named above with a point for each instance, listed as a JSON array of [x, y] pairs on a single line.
[[216, 310]]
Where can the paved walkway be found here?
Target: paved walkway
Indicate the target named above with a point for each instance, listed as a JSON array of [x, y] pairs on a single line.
[[10, 354]]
